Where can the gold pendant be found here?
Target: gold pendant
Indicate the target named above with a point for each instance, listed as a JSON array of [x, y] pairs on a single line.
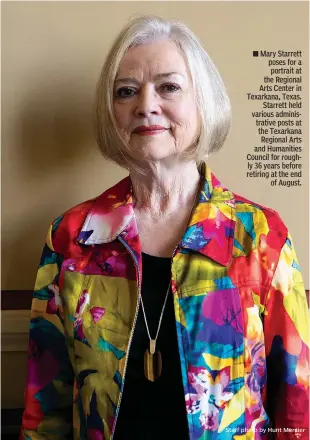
[[152, 362]]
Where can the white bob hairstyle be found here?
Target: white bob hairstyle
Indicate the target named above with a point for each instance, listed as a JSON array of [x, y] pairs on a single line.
[[212, 100]]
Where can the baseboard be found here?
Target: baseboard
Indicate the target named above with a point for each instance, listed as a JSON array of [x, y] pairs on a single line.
[[14, 330]]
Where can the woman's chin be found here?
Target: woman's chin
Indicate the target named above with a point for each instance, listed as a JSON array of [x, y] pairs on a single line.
[[153, 152]]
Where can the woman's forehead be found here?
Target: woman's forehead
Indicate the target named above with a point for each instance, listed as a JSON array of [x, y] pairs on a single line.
[[158, 58]]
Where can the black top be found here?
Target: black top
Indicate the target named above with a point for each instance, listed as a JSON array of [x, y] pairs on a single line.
[[153, 410]]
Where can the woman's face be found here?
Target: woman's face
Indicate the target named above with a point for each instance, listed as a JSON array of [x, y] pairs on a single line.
[[154, 103]]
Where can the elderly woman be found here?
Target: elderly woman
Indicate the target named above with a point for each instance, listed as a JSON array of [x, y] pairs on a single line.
[[168, 307]]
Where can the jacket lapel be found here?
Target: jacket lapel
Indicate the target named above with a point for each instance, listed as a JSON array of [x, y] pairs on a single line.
[[212, 226], [112, 212]]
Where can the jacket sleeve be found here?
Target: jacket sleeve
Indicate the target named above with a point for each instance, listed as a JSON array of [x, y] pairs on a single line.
[[49, 383], [286, 328]]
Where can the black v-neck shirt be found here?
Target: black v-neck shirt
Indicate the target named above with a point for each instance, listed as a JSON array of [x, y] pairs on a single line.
[[153, 410]]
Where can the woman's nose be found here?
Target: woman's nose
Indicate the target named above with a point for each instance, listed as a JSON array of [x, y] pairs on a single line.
[[148, 102]]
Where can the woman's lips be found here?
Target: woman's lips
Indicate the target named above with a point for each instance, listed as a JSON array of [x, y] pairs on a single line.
[[150, 130]]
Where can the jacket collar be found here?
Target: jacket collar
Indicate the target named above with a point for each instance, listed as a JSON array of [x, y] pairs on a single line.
[[210, 230]]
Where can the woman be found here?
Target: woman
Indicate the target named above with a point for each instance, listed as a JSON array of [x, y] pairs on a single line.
[[168, 307]]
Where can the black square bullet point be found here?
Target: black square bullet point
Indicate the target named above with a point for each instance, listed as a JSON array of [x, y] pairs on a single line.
[[255, 53]]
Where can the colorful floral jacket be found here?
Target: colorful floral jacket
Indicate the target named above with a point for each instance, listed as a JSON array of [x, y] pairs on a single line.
[[240, 310]]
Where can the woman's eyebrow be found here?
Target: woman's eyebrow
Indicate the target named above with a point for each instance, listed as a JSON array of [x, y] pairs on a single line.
[[166, 75], [126, 80], [158, 76]]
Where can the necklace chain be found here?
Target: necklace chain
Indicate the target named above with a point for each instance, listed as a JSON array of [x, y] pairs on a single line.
[[168, 290], [161, 315]]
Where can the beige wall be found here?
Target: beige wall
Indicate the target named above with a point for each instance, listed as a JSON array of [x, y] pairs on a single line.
[[51, 57]]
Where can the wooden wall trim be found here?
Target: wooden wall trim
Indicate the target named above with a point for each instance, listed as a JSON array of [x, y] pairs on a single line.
[[15, 330], [15, 321], [16, 299]]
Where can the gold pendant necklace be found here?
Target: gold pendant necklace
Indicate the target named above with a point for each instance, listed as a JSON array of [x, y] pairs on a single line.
[[152, 356]]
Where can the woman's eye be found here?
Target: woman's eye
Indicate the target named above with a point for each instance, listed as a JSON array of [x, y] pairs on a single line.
[[124, 92], [170, 87]]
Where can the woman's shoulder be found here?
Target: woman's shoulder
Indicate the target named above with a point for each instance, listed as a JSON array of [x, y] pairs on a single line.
[[249, 214], [245, 205], [255, 217], [67, 226]]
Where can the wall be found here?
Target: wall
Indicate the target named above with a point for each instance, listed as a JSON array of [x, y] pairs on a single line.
[[52, 54]]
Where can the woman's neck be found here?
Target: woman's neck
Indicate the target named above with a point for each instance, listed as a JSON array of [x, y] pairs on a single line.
[[163, 190]]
